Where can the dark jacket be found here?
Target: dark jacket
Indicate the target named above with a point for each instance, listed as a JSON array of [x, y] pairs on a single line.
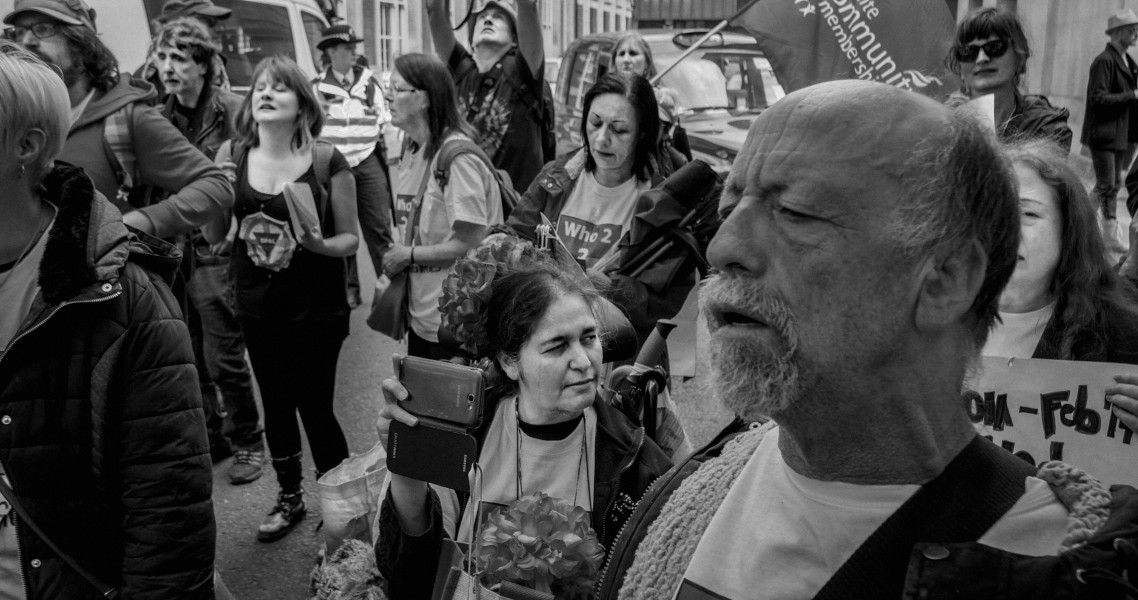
[[103, 435], [1035, 117], [1110, 122], [218, 120], [966, 570], [641, 301], [627, 463]]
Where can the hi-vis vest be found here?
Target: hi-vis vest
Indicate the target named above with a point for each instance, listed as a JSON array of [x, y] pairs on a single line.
[[352, 124]]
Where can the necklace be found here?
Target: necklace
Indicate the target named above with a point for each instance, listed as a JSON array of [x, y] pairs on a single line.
[[582, 458]]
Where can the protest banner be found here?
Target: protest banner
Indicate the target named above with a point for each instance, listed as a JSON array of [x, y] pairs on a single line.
[[898, 42], [1054, 410]]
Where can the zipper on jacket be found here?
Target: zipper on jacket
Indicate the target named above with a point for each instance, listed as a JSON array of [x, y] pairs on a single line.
[[12, 514], [52, 314]]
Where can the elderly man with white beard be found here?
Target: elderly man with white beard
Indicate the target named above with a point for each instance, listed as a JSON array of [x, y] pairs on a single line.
[[868, 234]]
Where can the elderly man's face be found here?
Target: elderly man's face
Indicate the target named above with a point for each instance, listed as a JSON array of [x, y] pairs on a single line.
[[812, 293]]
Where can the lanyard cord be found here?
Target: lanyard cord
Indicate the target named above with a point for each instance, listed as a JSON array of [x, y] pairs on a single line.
[[583, 457]]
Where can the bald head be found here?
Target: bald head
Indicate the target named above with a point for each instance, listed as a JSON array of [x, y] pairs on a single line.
[[932, 173]]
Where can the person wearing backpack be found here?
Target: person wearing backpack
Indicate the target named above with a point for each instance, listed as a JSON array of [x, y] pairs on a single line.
[[436, 223], [116, 136], [288, 272]]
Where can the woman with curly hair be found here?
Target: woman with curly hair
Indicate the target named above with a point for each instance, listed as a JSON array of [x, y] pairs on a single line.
[[546, 430], [1065, 301]]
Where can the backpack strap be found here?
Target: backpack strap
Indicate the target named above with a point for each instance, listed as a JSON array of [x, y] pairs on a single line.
[[974, 491], [118, 144], [450, 150], [322, 166]]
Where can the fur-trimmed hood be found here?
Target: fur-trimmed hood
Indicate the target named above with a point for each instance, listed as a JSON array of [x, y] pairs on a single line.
[[88, 242]]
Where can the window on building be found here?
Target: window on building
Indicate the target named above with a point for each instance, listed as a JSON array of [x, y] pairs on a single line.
[[593, 21]]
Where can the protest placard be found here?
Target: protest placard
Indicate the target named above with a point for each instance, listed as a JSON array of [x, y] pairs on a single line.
[[1054, 410]]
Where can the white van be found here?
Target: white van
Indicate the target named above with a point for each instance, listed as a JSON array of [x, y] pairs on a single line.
[[255, 30]]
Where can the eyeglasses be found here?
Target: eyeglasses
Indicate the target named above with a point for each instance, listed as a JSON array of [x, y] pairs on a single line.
[[992, 49], [40, 30], [391, 89]]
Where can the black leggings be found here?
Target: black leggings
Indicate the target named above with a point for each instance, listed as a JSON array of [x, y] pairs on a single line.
[[295, 366]]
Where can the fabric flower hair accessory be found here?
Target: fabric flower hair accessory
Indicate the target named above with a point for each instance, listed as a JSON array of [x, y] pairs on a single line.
[[541, 542], [466, 290]]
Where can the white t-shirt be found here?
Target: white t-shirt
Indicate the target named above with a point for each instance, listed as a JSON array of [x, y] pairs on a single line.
[[1017, 335], [595, 217], [560, 468], [471, 196], [779, 535], [18, 288]]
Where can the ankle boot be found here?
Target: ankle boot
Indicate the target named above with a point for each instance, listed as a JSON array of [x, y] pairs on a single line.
[[289, 508]]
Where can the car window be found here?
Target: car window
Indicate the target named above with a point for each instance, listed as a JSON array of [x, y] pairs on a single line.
[[252, 32]]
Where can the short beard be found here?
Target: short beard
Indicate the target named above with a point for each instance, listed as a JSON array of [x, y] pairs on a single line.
[[749, 377]]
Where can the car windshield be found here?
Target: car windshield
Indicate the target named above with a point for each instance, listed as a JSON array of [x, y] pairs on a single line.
[[736, 80]]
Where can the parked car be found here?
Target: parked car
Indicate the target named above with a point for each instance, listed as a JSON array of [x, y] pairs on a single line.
[[719, 89], [256, 29]]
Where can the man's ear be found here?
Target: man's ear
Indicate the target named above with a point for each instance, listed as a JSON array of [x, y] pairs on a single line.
[[949, 285], [509, 365]]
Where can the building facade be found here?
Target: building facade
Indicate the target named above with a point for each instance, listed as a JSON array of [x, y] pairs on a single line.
[[394, 27]]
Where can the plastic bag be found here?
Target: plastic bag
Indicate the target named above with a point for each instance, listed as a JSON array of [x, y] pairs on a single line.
[[350, 495]]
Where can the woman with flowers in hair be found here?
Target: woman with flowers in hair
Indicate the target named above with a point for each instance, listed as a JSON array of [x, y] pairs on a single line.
[[546, 431]]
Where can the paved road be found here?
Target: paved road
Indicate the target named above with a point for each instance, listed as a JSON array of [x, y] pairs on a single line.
[[277, 571]]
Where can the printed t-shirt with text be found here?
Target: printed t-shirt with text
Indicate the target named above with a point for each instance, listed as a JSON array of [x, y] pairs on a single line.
[[471, 196], [595, 217]]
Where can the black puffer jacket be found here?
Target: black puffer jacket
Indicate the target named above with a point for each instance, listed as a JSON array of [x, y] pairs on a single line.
[[101, 427]]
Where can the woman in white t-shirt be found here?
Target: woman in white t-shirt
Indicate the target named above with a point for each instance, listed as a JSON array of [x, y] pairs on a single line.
[[435, 225], [1064, 300], [592, 195], [545, 430]]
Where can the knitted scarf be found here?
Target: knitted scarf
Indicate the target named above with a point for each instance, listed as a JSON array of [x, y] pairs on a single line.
[[663, 556]]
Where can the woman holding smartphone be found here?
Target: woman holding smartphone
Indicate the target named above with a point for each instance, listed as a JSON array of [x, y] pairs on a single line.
[[549, 432], [289, 285]]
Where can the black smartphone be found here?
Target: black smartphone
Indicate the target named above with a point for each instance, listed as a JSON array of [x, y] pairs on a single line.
[[442, 390], [432, 451]]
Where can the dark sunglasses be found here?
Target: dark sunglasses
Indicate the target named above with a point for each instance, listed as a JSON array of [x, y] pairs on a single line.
[[992, 49]]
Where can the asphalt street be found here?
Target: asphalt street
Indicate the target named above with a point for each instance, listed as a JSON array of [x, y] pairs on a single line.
[[281, 570]]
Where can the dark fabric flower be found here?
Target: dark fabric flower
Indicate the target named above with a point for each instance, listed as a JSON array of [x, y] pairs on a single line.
[[541, 542]]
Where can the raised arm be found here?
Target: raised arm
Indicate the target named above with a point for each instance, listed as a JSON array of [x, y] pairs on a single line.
[[438, 16], [530, 43]]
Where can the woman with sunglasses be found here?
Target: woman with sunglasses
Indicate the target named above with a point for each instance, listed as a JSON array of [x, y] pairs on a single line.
[[990, 55]]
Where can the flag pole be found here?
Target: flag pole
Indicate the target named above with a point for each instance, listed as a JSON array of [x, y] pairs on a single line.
[[703, 40]]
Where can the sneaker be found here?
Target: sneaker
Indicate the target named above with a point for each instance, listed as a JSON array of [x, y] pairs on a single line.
[[246, 467], [289, 511]]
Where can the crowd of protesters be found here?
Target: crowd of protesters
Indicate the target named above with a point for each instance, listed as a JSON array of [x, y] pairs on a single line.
[[158, 228]]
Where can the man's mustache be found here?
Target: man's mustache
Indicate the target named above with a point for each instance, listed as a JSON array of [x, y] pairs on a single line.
[[747, 297]]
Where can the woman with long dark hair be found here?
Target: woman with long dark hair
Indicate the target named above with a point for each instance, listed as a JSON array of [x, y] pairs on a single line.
[[436, 224], [1065, 301], [289, 284]]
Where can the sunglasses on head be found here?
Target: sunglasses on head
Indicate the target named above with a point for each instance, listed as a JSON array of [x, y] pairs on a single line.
[[992, 49]]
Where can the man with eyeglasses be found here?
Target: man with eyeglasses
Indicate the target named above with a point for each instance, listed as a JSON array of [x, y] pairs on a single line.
[[121, 141], [355, 119], [1110, 128], [501, 83]]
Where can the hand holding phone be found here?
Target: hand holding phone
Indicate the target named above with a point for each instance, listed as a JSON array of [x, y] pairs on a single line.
[[442, 391]]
